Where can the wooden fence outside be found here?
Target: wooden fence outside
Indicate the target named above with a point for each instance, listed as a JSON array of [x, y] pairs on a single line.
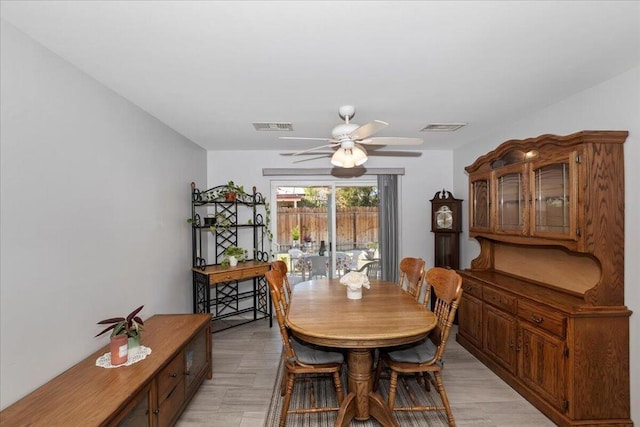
[[357, 227]]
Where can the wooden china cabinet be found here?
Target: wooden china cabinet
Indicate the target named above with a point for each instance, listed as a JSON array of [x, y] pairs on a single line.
[[543, 303]]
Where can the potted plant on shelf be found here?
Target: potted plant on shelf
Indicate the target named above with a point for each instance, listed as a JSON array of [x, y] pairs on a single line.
[[233, 255], [125, 334], [308, 240], [295, 236], [233, 190]]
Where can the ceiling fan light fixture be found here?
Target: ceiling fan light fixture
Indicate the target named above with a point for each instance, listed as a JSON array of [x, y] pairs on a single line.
[[349, 157], [338, 157], [359, 154], [348, 162]]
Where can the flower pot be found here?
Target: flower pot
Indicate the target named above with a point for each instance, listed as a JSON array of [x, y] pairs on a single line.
[[134, 345], [233, 261], [354, 293], [119, 347], [230, 197]]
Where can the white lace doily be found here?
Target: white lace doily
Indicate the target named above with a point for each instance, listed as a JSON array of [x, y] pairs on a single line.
[[104, 361]]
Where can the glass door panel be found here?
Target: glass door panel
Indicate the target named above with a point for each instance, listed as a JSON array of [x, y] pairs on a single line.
[[356, 227], [480, 208], [510, 198], [553, 199]]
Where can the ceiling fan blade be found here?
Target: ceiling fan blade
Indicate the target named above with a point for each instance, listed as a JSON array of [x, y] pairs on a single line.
[[306, 139], [391, 140], [394, 153], [368, 129], [297, 153], [370, 152], [306, 159]]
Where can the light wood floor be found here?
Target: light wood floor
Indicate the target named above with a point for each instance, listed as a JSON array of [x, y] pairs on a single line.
[[245, 360]]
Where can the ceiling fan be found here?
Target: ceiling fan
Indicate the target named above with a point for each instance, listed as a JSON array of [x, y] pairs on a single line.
[[351, 140]]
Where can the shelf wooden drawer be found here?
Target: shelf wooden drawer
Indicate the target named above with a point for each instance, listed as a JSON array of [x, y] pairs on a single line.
[[170, 376], [226, 276], [472, 287], [243, 273], [542, 317], [254, 271], [499, 299]]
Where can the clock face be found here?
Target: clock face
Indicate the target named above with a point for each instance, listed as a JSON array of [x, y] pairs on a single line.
[[444, 218]]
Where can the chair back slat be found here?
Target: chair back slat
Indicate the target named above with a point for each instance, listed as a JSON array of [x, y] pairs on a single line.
[[412, 273], [447, 286], [281, 266], [275, 282]]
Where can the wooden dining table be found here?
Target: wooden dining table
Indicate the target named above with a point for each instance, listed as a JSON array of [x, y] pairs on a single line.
[[321, 313]]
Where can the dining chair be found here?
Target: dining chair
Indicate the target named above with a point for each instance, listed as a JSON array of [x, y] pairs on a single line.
[[294, 257], [318, 266], [343, 261], [371, 269], [412, 275], [426, 357], [281, 266], [300, 358]]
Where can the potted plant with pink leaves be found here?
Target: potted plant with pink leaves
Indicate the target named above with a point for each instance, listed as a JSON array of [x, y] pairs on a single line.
[[125, 335]]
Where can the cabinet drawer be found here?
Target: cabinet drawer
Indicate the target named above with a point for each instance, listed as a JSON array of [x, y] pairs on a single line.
[[499, 299], [170, 376], [471, 287], [542, 317]]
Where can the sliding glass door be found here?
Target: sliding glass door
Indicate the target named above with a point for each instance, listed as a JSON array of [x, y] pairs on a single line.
[[324, 228]]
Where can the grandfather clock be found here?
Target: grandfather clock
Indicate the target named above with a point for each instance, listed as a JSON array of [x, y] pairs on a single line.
[[446, 224]]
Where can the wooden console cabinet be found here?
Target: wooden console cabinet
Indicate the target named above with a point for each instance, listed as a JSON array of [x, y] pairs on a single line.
[[543, 303], [152, 392]]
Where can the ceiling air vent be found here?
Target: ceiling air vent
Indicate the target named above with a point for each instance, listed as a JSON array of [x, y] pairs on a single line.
[[267, 126], [442, 127]]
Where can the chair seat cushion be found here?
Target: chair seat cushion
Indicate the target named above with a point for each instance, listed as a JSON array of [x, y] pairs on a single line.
[[310, 355], [420, 353]]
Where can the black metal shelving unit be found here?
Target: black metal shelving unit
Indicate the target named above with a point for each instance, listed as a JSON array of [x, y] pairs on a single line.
[[212, 207]]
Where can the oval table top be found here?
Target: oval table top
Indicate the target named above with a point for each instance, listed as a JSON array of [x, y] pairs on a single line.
[[321, 313]]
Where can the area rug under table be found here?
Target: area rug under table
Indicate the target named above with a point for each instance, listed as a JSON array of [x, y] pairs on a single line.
[[324, 393]]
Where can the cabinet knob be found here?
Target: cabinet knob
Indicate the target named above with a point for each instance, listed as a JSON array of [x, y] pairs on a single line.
[[537, 320], [156, 411], [174, 375]]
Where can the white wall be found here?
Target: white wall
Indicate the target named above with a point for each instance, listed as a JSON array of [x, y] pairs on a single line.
[[611, 105], [95, 197], [424, 176]]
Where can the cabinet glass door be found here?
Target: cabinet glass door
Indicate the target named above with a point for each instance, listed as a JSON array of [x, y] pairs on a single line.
[[195, 358], [510, 198], [480, 203], [553, 198]]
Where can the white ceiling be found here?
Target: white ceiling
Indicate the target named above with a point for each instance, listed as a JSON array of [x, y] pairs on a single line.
[[210, 69]]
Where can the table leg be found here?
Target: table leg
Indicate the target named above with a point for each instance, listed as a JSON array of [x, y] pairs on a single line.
[[361, 403]]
